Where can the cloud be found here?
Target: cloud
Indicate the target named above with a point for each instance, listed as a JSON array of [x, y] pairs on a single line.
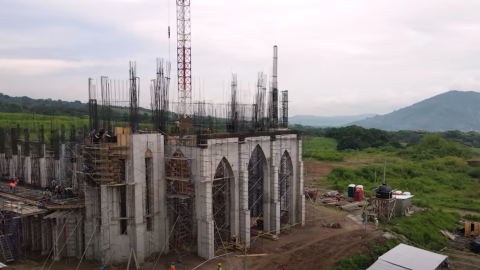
[[335, 57]]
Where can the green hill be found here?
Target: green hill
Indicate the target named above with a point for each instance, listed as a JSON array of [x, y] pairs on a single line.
[[325, 121], [453, 110]]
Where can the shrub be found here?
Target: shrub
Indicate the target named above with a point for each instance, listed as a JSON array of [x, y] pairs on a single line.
[[472, 217], [328, 156], [474, 172], [423, 229]]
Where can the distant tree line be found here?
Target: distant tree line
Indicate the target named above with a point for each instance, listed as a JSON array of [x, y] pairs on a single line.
[[24, 104], [359, 138], [355, 137]]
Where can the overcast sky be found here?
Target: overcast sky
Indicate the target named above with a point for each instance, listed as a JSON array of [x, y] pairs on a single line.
[[335, 57]]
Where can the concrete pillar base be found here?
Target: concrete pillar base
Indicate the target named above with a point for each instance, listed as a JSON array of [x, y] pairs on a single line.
[[245, 227]]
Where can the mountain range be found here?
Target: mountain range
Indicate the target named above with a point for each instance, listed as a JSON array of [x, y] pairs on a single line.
[[326, 121], [453, 110]]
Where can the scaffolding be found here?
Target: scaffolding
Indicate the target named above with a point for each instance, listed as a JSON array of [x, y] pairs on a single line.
[[256, 175], [221, 203], [180, 197]]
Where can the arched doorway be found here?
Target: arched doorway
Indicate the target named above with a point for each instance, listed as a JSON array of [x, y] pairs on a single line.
[[256, 177], [221, 202], [180, 204], [285, 177]]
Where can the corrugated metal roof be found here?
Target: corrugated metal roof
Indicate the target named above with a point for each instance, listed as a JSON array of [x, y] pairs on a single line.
[[383, 265], [408, 257]]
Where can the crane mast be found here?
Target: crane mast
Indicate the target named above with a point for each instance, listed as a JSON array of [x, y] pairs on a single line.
[[184, 58]]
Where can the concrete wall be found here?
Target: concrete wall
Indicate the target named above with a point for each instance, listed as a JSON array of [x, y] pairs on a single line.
[[237, 153], [102, 222]]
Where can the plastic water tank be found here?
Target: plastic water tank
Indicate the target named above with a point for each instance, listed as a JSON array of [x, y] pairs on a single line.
[[407, 193], [351, 190]]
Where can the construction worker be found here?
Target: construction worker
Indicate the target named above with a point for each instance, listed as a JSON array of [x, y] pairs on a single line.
[[12, 187], [219, 266], [15, 180], [234, 242], [376, 224], [68, 192], [177, 127], [53, 183], [364, 216], [337, 197], [172, 266], [58, 190]]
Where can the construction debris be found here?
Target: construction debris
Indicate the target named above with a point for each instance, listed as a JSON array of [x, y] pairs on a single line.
[[332, 193], [447, 234], [270, 236], [350, 207], [332, 225]]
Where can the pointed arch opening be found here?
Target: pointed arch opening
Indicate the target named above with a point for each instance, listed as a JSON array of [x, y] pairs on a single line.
[[221, 202], [256, 178], [285, 178], [181, 204]]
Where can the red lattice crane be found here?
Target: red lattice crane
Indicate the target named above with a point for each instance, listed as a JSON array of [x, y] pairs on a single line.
[[184, 57]]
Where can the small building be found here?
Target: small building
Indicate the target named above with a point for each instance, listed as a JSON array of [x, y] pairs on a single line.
[[405, 257], [403, 203]]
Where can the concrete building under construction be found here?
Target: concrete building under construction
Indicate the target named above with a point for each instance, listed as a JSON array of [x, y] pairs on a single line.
[[183, 177]]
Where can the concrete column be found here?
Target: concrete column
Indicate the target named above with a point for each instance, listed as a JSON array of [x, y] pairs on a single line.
[[57, 231], [206, 226], [58, 174], [300, 193], [138, 170], [160, 220], [274, 202], [90, 238], [234, 204], [62, 167], [13, 166], [27, 168], [2, 160], [44, 235], [244, 212], [42, 162]]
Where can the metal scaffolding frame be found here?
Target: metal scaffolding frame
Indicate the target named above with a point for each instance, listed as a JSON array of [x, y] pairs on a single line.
[[256, 177], [221, 203], [180, 197]]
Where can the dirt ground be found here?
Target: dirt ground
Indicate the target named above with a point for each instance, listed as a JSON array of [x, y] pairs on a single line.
[[311, 247]]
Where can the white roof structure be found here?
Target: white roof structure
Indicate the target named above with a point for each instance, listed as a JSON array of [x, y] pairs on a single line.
[[405, 257]]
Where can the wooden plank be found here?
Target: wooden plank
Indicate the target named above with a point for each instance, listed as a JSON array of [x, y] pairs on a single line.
[[252, 255], [468, 228]]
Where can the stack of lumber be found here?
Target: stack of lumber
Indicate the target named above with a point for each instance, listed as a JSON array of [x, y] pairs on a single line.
[[447, 234]]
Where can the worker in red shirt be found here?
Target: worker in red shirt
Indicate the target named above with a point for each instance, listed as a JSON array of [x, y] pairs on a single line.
[[12, 187], [338, 197]]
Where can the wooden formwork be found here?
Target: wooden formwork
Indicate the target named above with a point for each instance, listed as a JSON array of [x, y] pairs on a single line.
[[468, 229]]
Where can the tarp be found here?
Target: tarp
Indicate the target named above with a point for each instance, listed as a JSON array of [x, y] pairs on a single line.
[[404, 257], [475, 245]]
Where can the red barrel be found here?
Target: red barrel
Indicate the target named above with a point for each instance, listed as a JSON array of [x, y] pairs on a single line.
[[358, 196]]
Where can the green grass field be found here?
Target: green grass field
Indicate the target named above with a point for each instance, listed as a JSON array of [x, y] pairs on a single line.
[[34, 121]]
